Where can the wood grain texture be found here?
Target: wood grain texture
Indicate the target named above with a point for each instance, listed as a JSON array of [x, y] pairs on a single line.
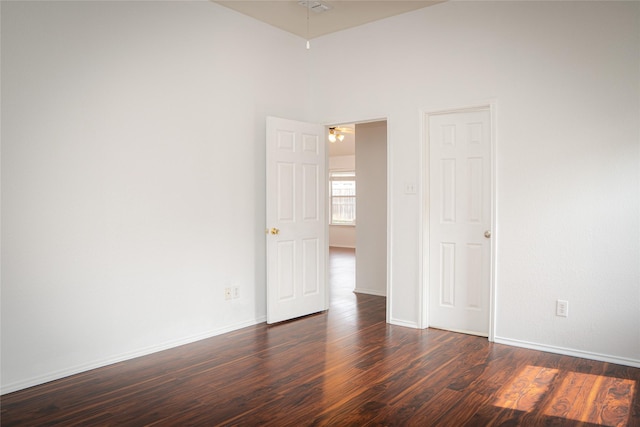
[[344, 367]]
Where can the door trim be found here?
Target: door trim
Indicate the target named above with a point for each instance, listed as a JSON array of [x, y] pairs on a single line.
[[423, 294]]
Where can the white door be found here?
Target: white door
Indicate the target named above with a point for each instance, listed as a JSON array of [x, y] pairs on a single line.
[[460, 221], [296, 225]]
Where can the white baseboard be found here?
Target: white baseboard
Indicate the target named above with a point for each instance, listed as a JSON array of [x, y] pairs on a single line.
[[20, 385], [370, 292], [404, 323], [569, 352]]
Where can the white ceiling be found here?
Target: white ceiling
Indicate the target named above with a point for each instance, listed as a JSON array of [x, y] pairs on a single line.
[[288, 15]]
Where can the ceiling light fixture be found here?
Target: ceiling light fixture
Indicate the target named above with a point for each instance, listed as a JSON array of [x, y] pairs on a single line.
[[334, 135]]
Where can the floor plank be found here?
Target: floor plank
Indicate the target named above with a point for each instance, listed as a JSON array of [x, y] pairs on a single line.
[[343, 367]]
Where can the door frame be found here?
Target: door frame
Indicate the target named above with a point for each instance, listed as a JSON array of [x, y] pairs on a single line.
[[423, 296], [389, 213]]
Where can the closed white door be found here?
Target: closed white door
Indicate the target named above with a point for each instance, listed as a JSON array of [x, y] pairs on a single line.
[[296, 225], [460, 221]]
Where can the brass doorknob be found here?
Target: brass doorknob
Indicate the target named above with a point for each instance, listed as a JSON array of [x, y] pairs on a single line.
[[274, 231], [487, 234]]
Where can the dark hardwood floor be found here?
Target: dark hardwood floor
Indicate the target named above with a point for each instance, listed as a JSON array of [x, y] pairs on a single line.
[[345, 367]]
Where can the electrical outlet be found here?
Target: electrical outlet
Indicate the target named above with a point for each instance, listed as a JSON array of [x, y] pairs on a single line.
[[236, 292], [227, 293], [562, 308]]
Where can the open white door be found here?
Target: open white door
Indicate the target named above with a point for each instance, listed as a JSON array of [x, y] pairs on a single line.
[[296, 225], [460, 221]]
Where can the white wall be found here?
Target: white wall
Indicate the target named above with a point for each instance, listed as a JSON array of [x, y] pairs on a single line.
[[133, 176], [371, 208], [565, 77], [347, 163], [342, 236]]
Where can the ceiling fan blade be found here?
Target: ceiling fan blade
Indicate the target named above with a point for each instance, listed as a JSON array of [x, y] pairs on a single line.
[[344, 130]]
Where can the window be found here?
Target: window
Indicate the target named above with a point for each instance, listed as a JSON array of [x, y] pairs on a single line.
[[343, 197]]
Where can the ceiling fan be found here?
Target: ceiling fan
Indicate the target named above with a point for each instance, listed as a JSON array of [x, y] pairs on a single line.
[[337, 133]]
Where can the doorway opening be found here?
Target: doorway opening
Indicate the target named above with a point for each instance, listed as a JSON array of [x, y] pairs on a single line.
[[357, 171]]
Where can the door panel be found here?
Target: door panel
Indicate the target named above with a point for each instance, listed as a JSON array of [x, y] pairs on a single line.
[[310, 196], [296, 226], [285, 191], [460, 206], [310, 262], [285, 272]]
